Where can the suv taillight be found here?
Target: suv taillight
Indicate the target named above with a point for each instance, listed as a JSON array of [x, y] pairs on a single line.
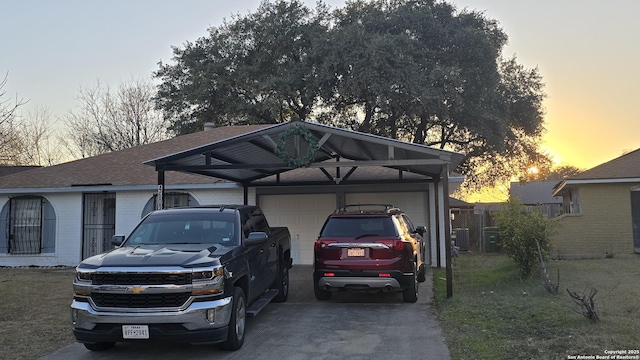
[[321, 244], [394, 244]]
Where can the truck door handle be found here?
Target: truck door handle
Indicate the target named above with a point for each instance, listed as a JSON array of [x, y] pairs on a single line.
[[261, 251]]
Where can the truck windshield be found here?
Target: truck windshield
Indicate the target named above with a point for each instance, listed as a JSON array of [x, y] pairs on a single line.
[[188, 228]]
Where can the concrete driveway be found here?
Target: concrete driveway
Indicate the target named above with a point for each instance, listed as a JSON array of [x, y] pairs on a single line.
[[349, 326]]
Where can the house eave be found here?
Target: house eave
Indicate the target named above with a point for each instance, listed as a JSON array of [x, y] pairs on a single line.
[[568, 182], [111, 188]]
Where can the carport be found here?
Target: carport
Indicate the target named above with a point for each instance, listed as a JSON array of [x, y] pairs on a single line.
[[299, 158]]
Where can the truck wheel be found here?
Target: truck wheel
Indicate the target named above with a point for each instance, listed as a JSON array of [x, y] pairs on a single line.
[[422, 274], [410, 294], [282, 285], [99, 346], [321, 294], [235, 337]]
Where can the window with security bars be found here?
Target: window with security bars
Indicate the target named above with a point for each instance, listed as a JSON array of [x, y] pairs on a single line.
[[25, 228], [171, 200]]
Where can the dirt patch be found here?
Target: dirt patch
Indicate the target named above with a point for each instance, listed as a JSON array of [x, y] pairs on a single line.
[[35, 311]]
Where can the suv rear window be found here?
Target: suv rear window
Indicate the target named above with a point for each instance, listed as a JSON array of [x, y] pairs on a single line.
[[355, 227]]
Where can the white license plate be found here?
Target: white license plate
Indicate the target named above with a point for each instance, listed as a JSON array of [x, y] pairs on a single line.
[[355, 252], [135, 331]]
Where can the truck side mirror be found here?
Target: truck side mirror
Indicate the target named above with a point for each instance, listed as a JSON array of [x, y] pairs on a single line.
[[117, 240], [421, 230], [256, 238]]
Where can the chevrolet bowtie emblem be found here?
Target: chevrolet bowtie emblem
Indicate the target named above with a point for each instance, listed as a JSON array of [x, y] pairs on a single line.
[[136, 289]]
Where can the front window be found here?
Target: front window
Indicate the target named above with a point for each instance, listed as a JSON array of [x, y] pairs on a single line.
[[27, 226]]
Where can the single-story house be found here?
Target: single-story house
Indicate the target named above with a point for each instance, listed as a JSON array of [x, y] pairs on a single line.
[[601, 211], [59, 215], [538, 193]]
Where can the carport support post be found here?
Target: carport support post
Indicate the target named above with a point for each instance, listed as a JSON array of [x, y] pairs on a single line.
[[447, 229], [160, 197], [245, 192]]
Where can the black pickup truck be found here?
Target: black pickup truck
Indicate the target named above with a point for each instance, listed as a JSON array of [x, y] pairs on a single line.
[[183, 275]]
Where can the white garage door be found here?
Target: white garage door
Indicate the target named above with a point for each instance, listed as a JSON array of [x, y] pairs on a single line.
[[304, 215], [414, 204]]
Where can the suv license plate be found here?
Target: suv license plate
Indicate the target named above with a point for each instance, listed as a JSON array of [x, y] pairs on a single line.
[[355, 252], [135, 331]]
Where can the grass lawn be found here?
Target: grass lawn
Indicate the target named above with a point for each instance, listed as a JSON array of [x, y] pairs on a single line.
[[493, 314]]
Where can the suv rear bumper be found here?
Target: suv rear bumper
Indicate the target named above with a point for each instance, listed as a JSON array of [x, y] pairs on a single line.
[[362, 280]]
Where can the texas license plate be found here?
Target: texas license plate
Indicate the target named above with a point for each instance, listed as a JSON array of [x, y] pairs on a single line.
[[355, 252], [135, 331]]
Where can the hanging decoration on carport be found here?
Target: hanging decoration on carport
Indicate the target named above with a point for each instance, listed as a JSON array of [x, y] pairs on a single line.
[[298, 161]]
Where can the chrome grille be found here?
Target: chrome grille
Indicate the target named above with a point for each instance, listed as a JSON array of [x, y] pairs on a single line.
[[171, 300], [142, 278]]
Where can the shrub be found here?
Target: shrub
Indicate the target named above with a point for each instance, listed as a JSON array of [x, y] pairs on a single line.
[[519, 230]]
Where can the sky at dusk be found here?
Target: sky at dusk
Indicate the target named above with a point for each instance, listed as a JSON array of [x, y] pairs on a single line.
[[587, 52]]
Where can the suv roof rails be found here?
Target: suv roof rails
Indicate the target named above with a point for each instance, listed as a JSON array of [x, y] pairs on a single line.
[[367, 208]]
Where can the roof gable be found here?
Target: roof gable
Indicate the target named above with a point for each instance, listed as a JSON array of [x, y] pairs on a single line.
[[254, 156]]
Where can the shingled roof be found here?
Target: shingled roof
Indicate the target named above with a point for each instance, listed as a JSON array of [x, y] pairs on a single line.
[[625, 168], [124, 167]]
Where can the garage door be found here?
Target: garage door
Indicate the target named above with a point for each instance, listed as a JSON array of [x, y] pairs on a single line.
[[414, 204], [304, 215]]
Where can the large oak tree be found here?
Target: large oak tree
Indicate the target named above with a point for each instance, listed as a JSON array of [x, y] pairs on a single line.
[[420, 71]]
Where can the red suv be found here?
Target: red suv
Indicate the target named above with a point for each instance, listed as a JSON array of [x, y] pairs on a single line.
[[369, 248]]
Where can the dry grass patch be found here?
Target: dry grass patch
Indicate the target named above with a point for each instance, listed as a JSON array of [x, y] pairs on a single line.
[[35, 311], [495, 315]]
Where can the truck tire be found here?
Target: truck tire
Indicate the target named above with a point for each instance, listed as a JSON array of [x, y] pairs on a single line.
[[422, 274], [237, 324], [282, 285], [410, 294], [99, 346], [321, 294]]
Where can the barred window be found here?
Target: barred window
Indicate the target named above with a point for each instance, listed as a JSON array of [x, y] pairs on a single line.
[[171, 200], [27, 226]]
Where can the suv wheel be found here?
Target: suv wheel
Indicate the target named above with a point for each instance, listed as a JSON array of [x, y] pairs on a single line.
[[321, 294], [410, 294]]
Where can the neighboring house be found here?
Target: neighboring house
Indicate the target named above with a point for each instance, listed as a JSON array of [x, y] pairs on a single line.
[[61, 214], [538, 193], [601, 211]]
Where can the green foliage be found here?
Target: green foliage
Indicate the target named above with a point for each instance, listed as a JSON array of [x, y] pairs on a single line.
[[519, 230], [495, 314], [420, 71]]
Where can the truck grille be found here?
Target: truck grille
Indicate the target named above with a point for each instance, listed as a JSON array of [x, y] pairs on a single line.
[[142, 278], [140, 300]]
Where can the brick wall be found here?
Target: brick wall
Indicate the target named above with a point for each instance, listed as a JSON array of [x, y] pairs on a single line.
[[602, 227]]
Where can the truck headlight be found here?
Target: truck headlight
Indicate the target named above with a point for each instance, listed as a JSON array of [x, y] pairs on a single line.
[[208, 282], [84, 276]]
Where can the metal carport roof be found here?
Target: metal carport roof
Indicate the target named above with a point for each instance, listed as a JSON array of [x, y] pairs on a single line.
[[253, 156]]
